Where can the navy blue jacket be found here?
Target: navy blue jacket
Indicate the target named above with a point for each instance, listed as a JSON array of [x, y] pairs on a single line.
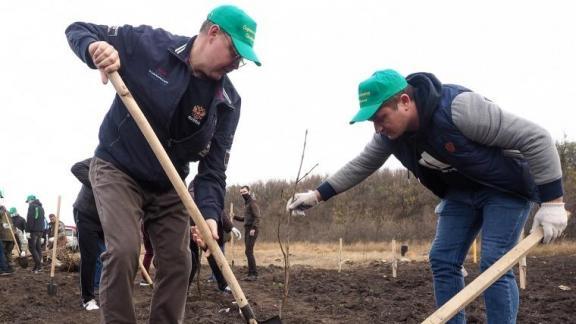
[[443, 158], [154, 66], [475, 164]]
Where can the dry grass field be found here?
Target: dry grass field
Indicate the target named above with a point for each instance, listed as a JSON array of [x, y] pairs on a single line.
[[326, 256]]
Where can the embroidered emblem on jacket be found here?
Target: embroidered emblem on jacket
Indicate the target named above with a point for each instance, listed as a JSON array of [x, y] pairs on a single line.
[[450, 147], [198, 113]]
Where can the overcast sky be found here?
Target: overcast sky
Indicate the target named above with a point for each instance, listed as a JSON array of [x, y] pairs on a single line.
[[519, 54]]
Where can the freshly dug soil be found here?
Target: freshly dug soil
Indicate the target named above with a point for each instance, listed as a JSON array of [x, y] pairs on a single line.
[[360, 294]]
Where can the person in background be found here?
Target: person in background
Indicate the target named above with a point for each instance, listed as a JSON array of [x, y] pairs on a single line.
[[251, 221], [35, 227], [148, 255], [6, 238], [90, 236], [61, 232], [225, 229], [5, 268], [487, 166], [20, 228]]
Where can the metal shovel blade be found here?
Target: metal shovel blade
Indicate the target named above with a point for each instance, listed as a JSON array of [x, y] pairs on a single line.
[[22, 262], [248, 314], [52, 288]]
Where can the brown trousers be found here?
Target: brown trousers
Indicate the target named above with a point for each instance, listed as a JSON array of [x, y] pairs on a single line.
[[122, 203]]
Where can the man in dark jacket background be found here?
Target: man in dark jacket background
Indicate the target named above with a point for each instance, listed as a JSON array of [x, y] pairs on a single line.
[[251, 221], [35, 226], [90, 234], [181, 85], [6, 238]]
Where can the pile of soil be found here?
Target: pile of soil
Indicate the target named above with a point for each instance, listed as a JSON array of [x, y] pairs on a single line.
[[360, 294]]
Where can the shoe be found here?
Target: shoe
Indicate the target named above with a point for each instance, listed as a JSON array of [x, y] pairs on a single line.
[[90, 305], [226, 290], [144, 284], [251, 278], [211, 279], [6, 272]]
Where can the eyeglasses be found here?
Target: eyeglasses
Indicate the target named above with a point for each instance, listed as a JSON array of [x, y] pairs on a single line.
[[238, 60]]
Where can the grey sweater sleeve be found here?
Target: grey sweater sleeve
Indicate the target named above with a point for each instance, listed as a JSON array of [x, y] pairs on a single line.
[[484, 122], [367, 162]]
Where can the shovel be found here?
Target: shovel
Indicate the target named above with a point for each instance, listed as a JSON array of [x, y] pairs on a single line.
[[52, 287], [145, 273], [483, 281], [22, 259], [182, 191]]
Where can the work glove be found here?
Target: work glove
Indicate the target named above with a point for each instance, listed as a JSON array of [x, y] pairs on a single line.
[[28, 236], [553, 219], [236, 233], [51, 240], [301, 202]]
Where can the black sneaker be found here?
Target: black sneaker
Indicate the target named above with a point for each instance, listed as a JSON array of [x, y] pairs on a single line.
[[226, 290], [6, 272]]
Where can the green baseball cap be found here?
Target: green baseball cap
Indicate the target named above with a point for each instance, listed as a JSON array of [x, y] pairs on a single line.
[[374, 91], [30, 198], [241, 28], [12, 210]]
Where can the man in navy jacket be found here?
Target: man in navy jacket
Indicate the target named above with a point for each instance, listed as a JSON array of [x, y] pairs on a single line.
[[182, 87]]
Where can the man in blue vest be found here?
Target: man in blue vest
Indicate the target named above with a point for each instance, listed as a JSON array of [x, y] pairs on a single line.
[[182, 87], [486, 165]]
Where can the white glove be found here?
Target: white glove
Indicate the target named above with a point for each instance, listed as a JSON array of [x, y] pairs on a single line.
[[553, 219], [236, 233], [28, 236], [51, 240], [301, 202]]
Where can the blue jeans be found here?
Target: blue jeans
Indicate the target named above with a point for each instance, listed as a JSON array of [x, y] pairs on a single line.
[[3, 262], [461, 216]]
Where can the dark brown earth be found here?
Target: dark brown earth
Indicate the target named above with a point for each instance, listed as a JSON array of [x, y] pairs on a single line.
[[361, 294]]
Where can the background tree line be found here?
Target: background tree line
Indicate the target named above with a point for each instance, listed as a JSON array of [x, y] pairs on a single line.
[[389, 204]]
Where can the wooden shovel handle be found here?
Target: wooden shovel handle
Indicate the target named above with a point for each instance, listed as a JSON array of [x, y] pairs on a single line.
[[55, 236], [484, 280], [180, 188], [12, 233], [144, 272]]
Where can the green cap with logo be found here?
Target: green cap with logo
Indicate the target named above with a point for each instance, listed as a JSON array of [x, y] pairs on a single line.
[[13, 211], [241, 28], [30, 198], [374, 91]]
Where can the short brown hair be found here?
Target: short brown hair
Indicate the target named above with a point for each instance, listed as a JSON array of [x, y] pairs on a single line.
[[393, 101], [206, 25]]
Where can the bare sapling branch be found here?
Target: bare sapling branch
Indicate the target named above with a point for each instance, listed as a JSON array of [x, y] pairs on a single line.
[[286, 248]]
